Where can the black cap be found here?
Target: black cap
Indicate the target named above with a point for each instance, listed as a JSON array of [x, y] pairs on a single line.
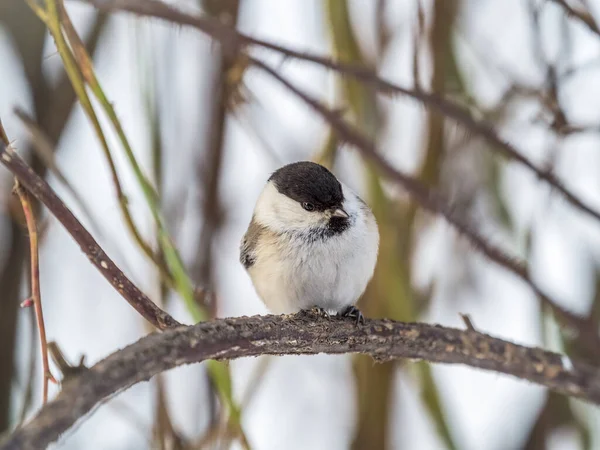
[[306, 181]]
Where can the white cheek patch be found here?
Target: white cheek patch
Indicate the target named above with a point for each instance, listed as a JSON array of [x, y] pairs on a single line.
[[281, 213]]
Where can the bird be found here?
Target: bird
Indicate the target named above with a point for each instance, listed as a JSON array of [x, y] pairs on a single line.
[[311, 244]]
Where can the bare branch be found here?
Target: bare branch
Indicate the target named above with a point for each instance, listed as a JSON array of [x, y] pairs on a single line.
[[300, 334], [231, 39], [36, 296], [40, 189]]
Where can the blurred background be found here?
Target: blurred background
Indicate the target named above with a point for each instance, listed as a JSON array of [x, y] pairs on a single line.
[[207, 131]]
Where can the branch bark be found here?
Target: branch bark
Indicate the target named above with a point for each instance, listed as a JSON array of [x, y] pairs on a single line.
[[300, 334]]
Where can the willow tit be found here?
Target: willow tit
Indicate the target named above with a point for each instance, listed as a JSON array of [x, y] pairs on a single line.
[[311, 243]]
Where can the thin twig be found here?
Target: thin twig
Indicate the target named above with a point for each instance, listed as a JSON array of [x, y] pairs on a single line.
[[171, 265], [234, 40], [76, 77], [299, 334], [36, 297], [35, 284], [42, 145], [31, 368], [434, 202], [468, 322], [41, 190]]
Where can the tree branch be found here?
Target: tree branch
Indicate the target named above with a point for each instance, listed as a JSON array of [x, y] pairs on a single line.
[[41, 190], [36, 296], [233, 40], [300, 334]]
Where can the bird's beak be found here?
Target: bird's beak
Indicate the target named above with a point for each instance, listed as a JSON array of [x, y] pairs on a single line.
[[340, 213]]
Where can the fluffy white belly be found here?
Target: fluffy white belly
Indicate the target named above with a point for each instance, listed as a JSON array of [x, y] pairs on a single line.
[[331, 273]]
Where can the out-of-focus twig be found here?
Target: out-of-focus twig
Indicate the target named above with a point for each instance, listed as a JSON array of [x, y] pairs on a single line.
[[78, 76], [171, 265], [434, 202], [585, 17], [226, 94], [36, 296], [31, 367], [44, 193], [52, 100], [35, 284], [388, 291], [45, 151], [237, 40], [299, 334], [76, 58], [210, 164], [164, 432]]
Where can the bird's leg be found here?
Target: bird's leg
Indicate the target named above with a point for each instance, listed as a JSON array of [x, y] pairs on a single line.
[[354, 312]]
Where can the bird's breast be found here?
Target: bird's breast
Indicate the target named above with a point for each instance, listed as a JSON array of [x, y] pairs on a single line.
[[293, 272]]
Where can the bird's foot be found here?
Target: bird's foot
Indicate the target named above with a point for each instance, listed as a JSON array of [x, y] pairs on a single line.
[[353, 312], [320, 312]]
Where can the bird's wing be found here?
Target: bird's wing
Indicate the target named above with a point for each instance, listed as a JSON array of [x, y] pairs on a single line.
[[249, 243]]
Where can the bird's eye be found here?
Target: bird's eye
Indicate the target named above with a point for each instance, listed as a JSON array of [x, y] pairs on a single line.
[[308, 206]]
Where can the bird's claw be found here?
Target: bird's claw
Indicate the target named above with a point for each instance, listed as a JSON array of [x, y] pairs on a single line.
[[320, 312], [353, 312]]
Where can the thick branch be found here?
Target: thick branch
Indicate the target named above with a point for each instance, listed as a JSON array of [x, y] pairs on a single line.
[[41, 190], [300, 334]]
